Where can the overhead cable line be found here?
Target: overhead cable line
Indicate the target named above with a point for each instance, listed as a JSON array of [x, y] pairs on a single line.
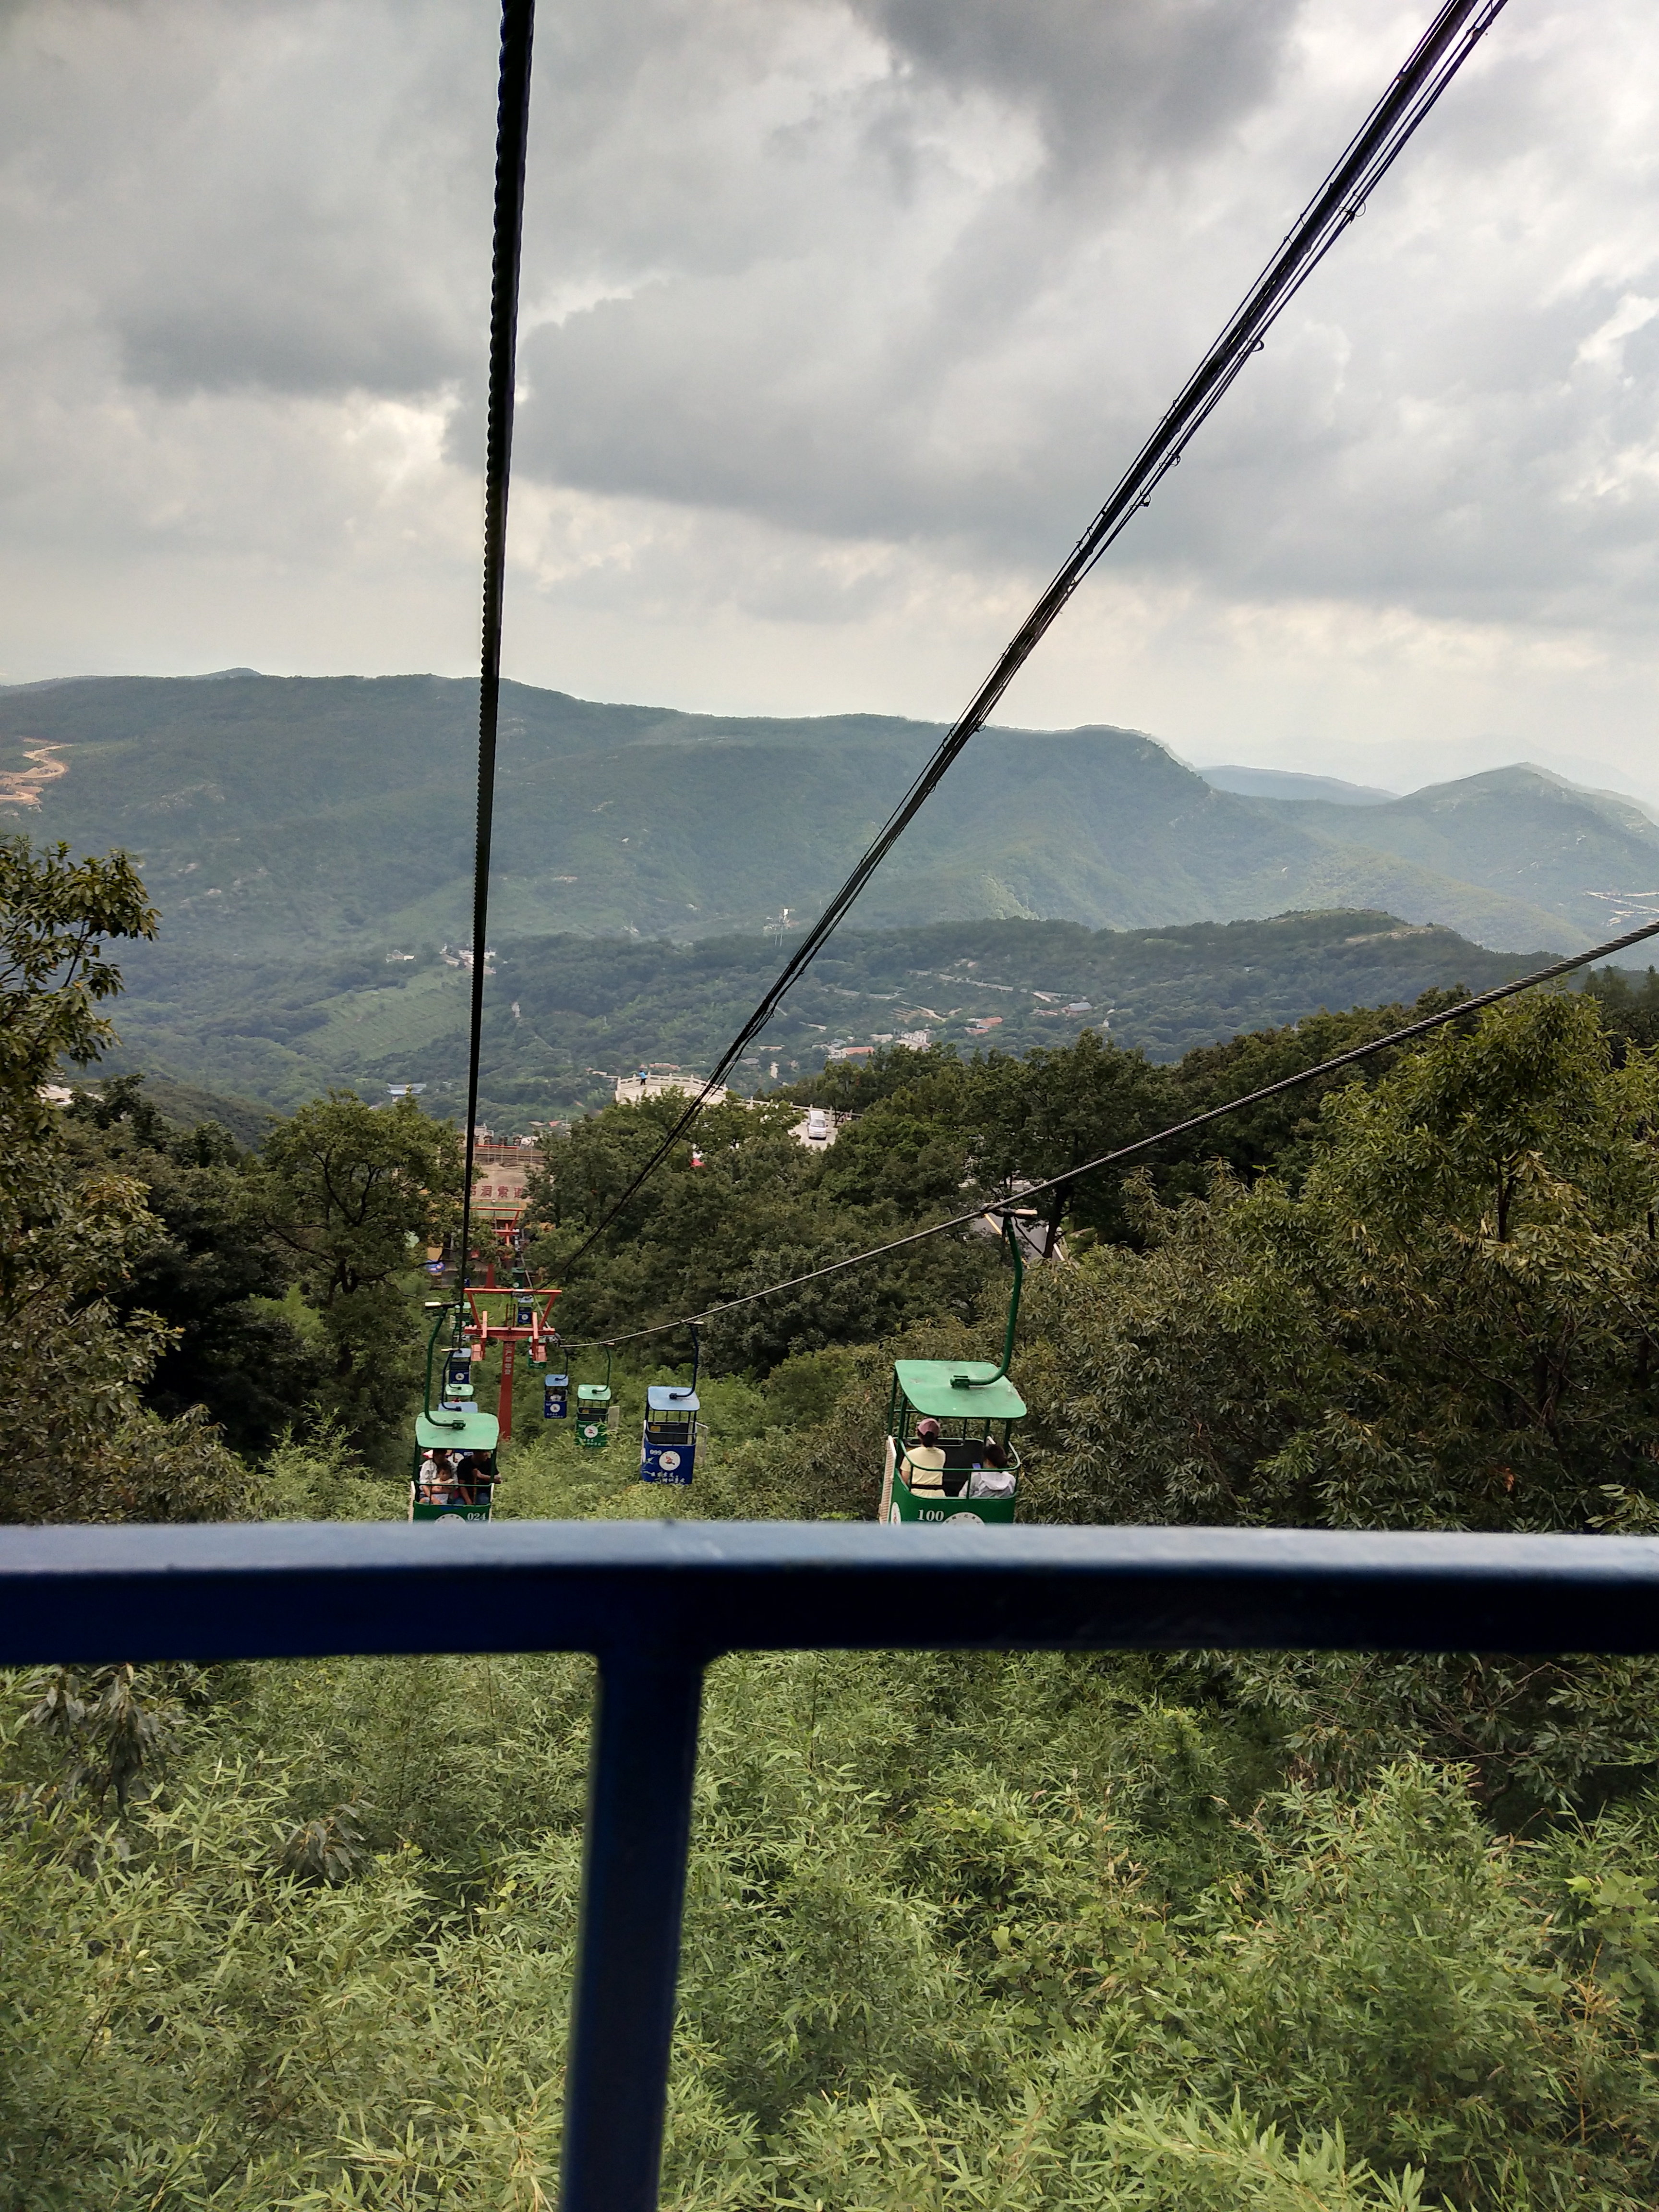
[[1457, 27], [1349, 1059], [511, 134]]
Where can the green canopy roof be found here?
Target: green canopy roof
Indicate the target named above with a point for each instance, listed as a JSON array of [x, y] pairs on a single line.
[[928, 1385], [458, 1432]]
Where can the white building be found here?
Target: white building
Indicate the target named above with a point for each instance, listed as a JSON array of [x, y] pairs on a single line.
[[630, 1089]]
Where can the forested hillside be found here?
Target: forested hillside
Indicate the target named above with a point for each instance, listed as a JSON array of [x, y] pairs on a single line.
[[564, 1016], [1184, 1934], [304, 842]]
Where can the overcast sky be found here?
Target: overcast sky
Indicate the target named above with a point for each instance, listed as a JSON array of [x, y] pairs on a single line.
[[840, 317]]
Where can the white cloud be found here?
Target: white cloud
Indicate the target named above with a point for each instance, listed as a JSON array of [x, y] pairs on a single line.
[[1604, 348], [840, 317]]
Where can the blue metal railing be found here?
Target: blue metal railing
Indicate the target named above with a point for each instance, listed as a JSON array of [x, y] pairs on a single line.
[[656, 1601]]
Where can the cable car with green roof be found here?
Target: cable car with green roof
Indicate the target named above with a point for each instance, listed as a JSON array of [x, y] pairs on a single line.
[[454, 1473], [593, 1411], [951, 1452], [459, 1450]]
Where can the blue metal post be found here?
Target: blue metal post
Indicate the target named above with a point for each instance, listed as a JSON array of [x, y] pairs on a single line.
[[639, 1820]]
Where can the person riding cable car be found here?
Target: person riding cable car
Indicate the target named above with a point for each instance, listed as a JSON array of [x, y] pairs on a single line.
[[949, 1422], [455, 1472]]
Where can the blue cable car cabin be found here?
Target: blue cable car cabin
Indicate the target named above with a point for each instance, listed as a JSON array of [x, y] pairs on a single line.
[[949, 1448], [555, 1396], [668, 1448]]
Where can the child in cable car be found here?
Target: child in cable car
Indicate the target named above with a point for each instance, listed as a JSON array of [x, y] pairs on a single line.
[[993, 1477], [435, 1483]]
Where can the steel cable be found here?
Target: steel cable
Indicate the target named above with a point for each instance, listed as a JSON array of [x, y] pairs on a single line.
[[1457, 27], [511, 135]]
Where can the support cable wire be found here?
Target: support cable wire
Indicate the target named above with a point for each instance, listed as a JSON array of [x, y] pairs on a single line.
[[1350, 1059], [511, 134], [1457, 27]]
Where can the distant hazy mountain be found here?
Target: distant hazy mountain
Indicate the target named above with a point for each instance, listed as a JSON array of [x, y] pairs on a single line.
[[1286, 783], [293, 817], [1589, 857]]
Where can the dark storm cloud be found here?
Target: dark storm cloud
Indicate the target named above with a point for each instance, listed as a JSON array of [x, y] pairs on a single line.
[[315, 196], [918, 355], [839, 360], [1112, 81], [289, 326]]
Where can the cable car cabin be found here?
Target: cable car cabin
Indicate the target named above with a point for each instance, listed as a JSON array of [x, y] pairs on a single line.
[[969, 1469], [455, 1473], [668, 1449], [592, 1415], [555, 1396]]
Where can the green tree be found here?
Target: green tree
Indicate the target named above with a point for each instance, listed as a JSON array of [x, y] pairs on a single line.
[[206, 1260], [759, 1208], [1278, 1134], [1049, 1113], [57, 916], [353, 1193], [689, 1234], [72, 1367], [1452, 1325], [1630, 1011], [908, 1154]]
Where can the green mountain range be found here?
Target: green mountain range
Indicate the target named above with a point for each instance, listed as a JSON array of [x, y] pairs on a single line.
[[309, 842], [284, 817]]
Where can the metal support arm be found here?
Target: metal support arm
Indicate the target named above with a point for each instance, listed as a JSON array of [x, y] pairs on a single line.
[[639, 1819]]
